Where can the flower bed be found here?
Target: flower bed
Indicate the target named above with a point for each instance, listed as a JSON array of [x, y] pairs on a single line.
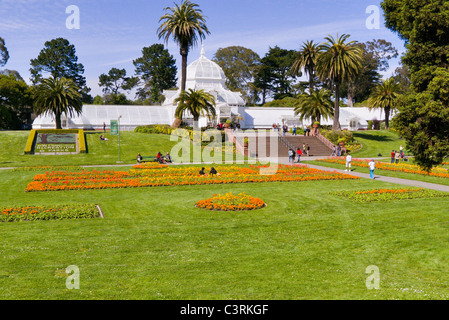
[[230, 202], [33, 213], [366, 196], [173, 176], [400, 167]]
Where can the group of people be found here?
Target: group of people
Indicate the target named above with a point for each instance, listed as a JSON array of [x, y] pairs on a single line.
[[159, 158], [277, 127], [336, 151], [292, 155], [397, 155], [371, 165], [212, 172]]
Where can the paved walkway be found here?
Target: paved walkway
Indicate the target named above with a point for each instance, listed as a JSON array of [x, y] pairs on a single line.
[[412, 183]]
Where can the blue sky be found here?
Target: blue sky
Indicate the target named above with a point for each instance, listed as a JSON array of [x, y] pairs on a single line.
[[112, 33]]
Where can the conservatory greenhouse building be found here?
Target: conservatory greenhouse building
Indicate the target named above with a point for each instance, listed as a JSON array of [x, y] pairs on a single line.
[[209, 76]]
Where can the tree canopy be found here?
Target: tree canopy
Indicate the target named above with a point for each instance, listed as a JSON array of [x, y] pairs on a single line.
[[424, 111], [186, 24], [339, 62], [157, 71], [239, 65], [4, 54], [58, 58], [58, 96]]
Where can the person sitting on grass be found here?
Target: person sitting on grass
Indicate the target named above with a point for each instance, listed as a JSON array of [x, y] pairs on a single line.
[[167, 157], [102, 137], [160, 158], [213, 171], [202, 173], [139, 158]]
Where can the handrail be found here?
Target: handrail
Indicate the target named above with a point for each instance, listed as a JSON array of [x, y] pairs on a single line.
[[324, 140], [285, 142]]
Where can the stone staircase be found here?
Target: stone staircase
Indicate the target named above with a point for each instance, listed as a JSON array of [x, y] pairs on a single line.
[[317, 148]]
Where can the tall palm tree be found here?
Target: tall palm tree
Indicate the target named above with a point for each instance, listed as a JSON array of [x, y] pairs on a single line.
[[197, 103], [307, 60], [385, 96], [186, 24], [315, 105], [57, 96], [339, 62]]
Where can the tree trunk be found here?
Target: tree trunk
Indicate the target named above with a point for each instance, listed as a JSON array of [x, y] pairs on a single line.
[[387, 118], [336, 124], [58, 120], [184, 53], [351, 95], [176, 123], [310, 82]]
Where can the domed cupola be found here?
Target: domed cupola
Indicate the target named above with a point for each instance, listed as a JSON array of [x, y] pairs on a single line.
[[204, 70]]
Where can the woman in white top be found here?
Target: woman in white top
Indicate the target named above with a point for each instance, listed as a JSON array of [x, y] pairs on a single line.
[[348, 162], [372, 166]]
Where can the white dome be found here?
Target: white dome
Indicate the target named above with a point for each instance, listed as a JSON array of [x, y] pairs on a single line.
[[205, 69]]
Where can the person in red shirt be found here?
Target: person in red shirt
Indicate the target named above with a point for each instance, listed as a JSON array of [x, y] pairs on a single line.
[[299, 154], [392, 155]]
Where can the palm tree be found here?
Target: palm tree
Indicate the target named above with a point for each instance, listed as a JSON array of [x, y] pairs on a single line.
[[339, 62], [385, 96], [186, 24], [307, 60], [315, 105], [57, 96], [197, 103]]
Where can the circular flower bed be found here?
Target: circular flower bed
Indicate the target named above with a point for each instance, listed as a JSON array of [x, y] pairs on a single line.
[[230, 202]]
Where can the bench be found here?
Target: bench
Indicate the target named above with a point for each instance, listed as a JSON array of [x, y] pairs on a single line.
[[149, 159]]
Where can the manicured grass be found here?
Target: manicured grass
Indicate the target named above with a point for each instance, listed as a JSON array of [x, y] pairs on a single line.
[[377, 141], [12, 146], [154, 244]]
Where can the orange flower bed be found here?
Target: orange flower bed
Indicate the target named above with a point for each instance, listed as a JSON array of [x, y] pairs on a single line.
[[172, 176], [230, 202], [400, 167]]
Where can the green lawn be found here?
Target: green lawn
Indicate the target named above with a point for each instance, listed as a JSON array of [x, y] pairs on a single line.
[[12, 146], [377, 141], [154, 244]]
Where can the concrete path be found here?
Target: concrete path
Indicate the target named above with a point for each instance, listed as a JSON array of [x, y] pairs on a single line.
[[412, 183]]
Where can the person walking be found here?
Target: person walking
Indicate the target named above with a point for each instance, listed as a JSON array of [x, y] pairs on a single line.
[[372, 166], [334, 151], [397, 155], [294, 129], [392, 155], [348, 162], [308, 149]]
